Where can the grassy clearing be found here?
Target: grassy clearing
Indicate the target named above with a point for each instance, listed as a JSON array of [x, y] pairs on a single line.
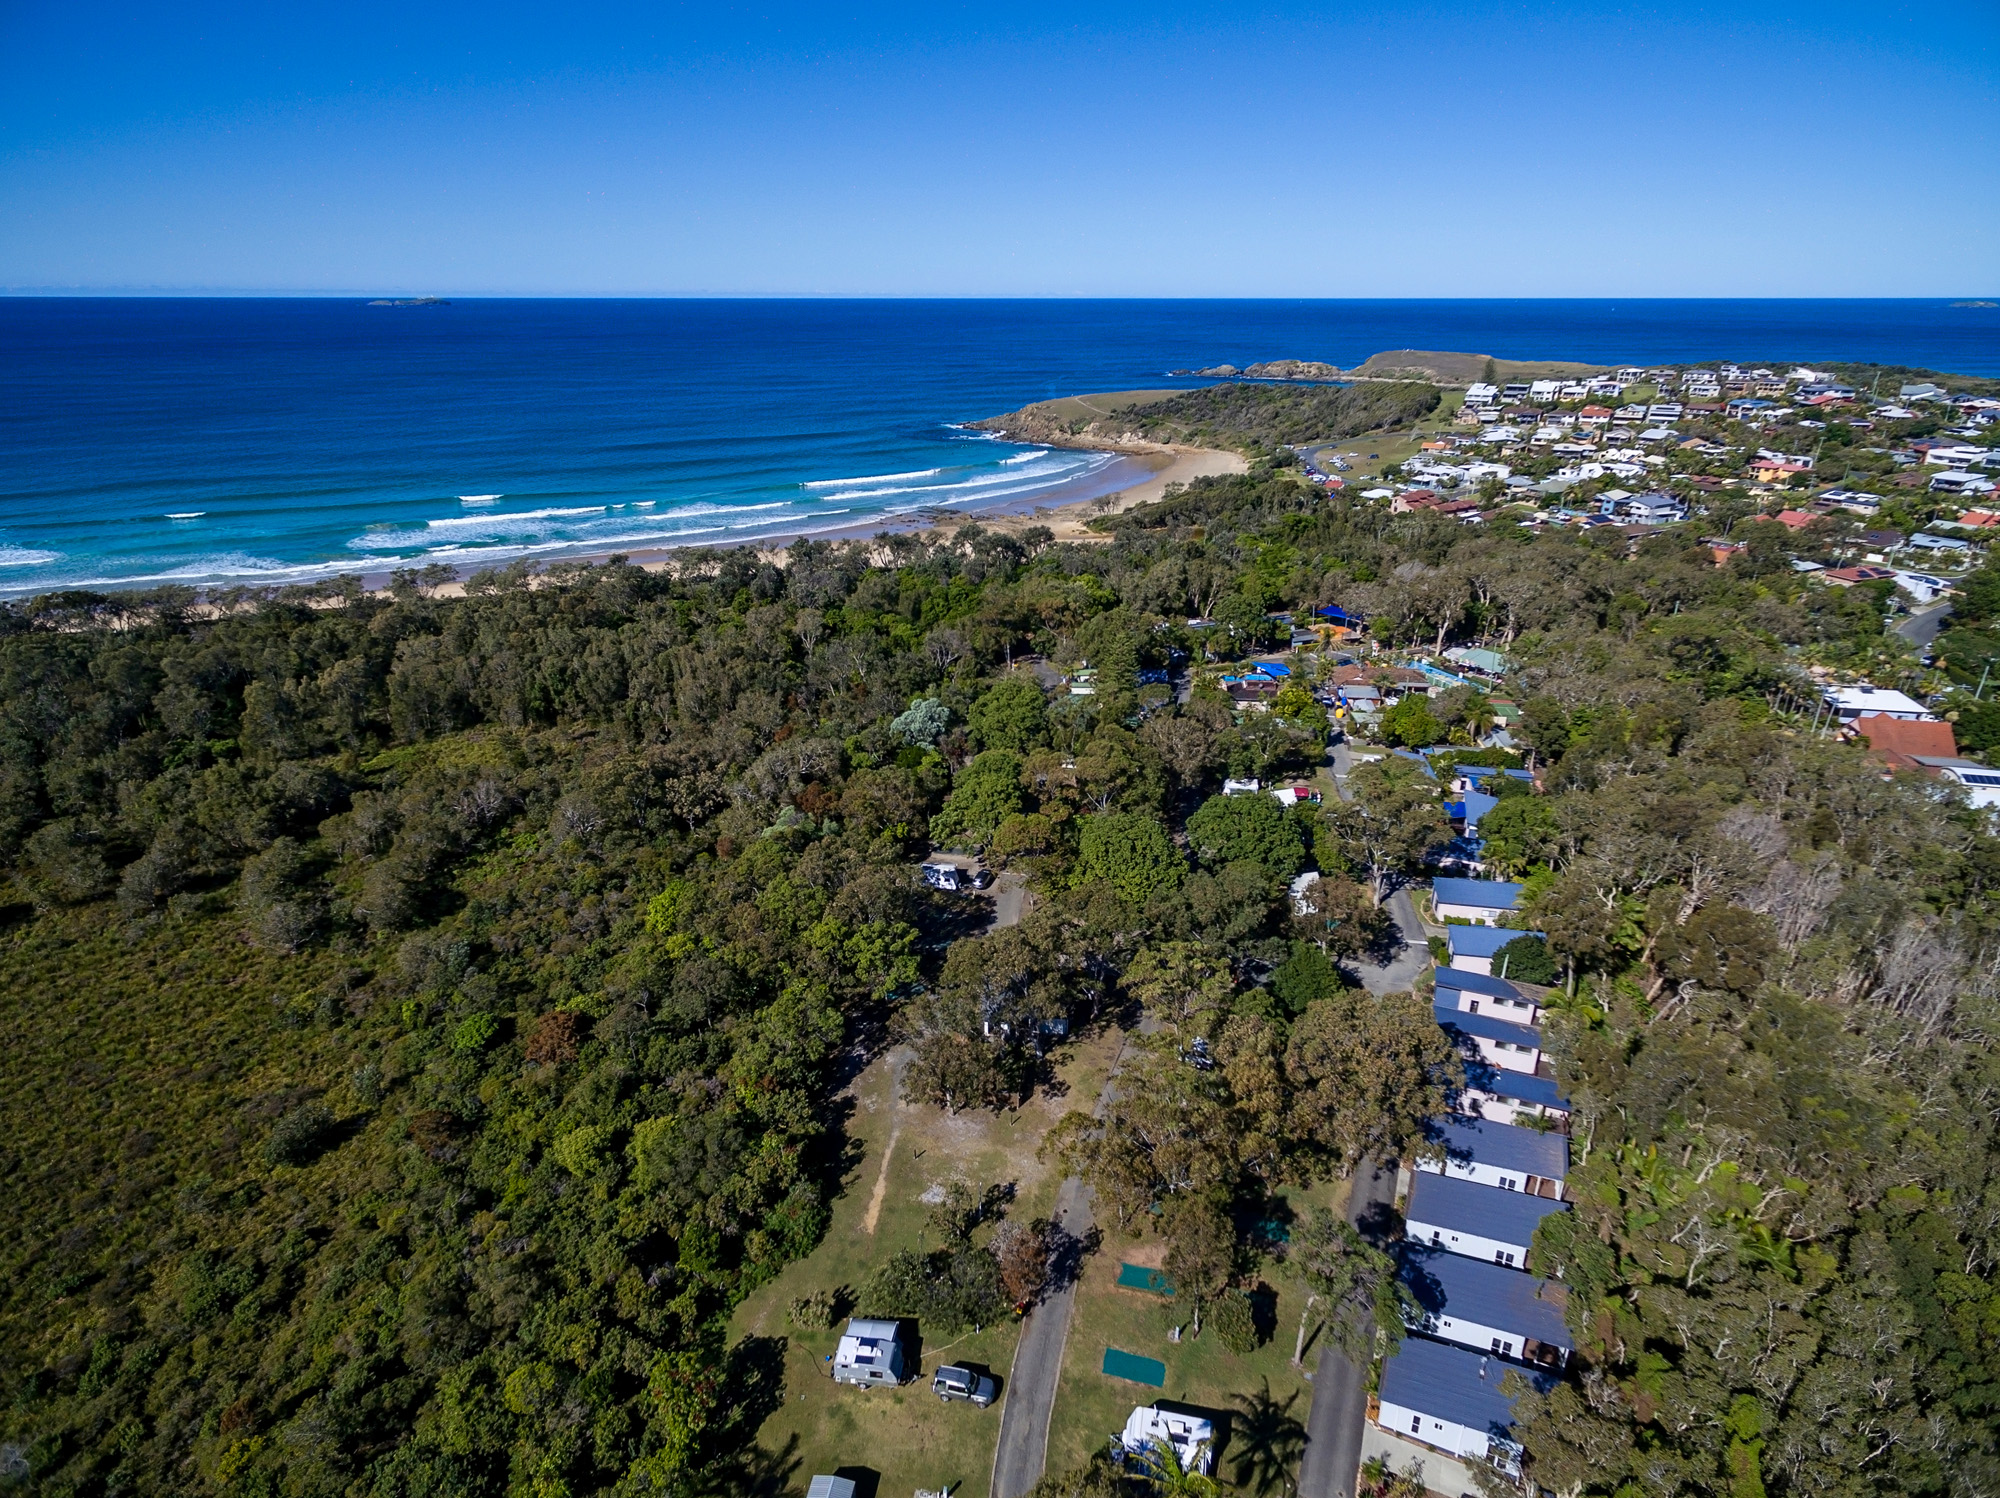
[[1263, 1396], [905, 1435]]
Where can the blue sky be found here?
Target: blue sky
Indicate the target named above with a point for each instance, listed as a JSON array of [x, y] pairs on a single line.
[[1385, 149]]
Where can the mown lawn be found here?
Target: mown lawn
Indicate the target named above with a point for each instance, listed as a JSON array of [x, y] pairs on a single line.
[[905, 1436], [1259, 1400]]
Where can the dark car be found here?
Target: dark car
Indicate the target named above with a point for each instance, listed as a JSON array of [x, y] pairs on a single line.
[[982, 878], [953, 1381]]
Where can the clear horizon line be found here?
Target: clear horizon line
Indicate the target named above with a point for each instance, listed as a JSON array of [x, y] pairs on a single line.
[[245, 293]]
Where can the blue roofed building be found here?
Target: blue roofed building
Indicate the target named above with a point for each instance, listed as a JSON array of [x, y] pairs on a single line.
[[1462, 1217], [1474, 949], [1508, 1157], [1500, 1043], [1511, 1097], [1482, 993], [1503, 1312], [1482, 901], [1450, 1398]]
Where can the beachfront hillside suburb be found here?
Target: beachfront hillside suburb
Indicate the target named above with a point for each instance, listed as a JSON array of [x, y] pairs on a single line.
[[1473, 939]]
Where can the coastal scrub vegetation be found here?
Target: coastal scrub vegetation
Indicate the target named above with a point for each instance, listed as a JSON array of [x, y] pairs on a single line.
[[1267, 416], [425, 1019]]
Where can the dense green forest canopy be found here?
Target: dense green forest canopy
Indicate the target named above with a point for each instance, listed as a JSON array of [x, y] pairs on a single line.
[[424, 1018]]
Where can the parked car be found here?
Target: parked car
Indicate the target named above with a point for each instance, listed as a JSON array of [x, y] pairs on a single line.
[[982, 878], [954, 1381]]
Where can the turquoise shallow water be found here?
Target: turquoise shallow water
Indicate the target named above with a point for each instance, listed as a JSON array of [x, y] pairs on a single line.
[[267, 441]]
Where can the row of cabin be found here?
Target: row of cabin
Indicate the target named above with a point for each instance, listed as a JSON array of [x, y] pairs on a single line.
[[1497, 1173]]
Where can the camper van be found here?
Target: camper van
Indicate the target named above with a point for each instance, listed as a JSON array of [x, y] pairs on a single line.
[[869, 1354], [1191, 1437], [944, 876]]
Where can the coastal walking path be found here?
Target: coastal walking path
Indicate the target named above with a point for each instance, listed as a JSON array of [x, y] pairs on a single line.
[[1023, 1449]]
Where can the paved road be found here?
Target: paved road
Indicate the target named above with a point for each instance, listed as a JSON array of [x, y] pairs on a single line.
[[1921, 629], [1030, 1396], [1010, 898], [1412, 954], [1340, 1389]]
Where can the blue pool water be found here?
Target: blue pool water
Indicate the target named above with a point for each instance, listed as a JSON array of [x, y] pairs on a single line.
[[144, 440]]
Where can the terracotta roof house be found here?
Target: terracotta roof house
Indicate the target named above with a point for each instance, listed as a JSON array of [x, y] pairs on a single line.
[[1901, 740]]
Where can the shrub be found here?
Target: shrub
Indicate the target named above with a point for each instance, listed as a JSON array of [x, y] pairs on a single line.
[[818, 1311], [1232, 1319], [474, 1034], [299, 1135]]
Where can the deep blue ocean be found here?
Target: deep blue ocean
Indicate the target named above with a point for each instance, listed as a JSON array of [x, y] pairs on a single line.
[[210, 441]]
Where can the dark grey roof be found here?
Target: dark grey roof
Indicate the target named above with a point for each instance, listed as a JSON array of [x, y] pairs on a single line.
[[1467, 1207], [1479, 983], [1448, 1284], [1454, 1384], [1533, 1152], [1487, 1027]]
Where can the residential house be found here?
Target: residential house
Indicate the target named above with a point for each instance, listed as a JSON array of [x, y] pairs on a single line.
[[1502, 1312], [1450, 1398], [1899, 741], [1469, 992], [1463, 1217], [1477, 658], [1545, 392], [1484, 1037], [1982, 784], [1847, 577], [1853, 501], [1511, 1097], [1474, 949], [1921, 392], [1952, 546], [1465, 812], [1954, 454], [1957, 481], [1778, 470], [1482, 394], [1923, 587], [1849, 704], [1482, 901], [1506, 1157]]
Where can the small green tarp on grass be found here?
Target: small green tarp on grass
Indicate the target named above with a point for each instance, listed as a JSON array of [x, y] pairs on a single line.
[[1129, 1365], [1139, 1277]]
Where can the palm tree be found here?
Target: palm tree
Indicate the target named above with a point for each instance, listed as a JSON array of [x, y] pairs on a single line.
[[1272, 1443], [1161, 1468]]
